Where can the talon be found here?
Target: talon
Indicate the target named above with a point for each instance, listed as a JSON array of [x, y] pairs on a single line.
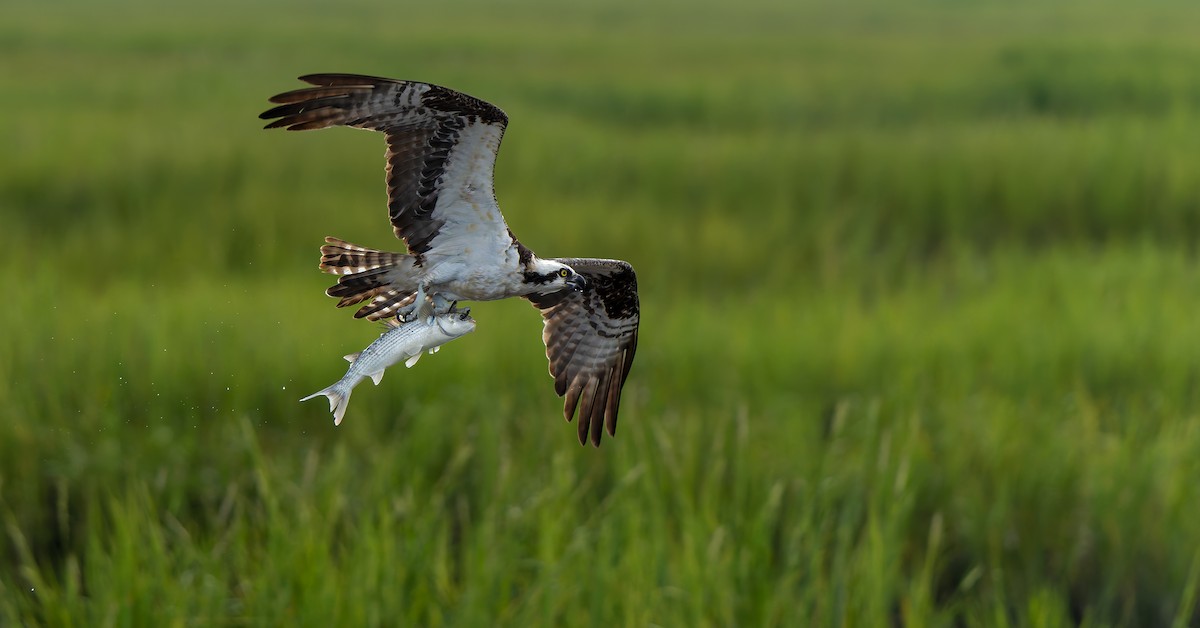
[[422, 307], [408, 312], [438, 305]]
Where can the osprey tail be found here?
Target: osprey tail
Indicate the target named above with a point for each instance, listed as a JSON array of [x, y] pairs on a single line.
[[386, 280]]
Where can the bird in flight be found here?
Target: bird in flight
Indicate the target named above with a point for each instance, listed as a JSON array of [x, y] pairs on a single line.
[[441, 155]]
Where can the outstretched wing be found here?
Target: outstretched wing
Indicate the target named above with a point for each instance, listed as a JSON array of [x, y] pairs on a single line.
[[441, 151], [590, 338]]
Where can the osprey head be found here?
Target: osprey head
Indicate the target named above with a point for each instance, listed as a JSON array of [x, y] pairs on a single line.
[[544, 275]]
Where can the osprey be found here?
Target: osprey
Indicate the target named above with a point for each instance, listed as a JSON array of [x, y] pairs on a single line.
[[441, 153]]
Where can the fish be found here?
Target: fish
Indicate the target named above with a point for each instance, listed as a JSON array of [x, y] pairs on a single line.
[[406, 341]]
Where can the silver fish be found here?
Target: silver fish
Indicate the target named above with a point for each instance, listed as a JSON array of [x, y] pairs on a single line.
[[404, 341]]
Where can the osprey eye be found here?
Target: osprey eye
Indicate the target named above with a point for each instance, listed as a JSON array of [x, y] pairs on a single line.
[[562, 272]]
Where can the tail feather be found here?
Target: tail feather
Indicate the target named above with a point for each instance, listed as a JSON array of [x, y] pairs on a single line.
[[339, 257], [385, 280], [385, 305], [339, 398], [357, 286]]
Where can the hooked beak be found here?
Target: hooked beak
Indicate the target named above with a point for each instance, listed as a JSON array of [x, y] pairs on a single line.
[[578, 283]]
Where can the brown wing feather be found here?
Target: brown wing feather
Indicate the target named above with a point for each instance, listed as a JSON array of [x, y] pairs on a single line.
[[591, 338], [422, 123]]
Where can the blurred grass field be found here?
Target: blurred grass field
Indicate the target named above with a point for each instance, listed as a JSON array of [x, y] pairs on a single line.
[[919, 345]]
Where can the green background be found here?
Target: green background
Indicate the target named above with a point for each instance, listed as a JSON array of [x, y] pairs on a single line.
[[919, 319]]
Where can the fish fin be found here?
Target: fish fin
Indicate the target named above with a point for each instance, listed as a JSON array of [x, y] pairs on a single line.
[[412, 360], [377, 377], [351, 357], [433, 350], [338, 400]]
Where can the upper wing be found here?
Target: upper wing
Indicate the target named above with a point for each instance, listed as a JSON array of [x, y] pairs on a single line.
[[590, 338], [441, 154]]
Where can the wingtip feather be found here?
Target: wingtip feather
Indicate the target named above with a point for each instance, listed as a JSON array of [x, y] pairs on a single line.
[[336, 79], [613, 403], [595, 408]]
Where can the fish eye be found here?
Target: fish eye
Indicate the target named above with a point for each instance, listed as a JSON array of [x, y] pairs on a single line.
[[564, 273]]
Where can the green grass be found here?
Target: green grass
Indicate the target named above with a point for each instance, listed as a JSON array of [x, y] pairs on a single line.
[[919, 291]]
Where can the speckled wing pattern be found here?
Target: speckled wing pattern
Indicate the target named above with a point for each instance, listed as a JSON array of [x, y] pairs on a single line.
[[441, 153], [590, 338]]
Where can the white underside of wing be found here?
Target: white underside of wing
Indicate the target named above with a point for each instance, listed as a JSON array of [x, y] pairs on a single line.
[[473, 250], [472, 223]]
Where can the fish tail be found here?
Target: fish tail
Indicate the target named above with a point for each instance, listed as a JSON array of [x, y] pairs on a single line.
[[339, 398], [386, 281]]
